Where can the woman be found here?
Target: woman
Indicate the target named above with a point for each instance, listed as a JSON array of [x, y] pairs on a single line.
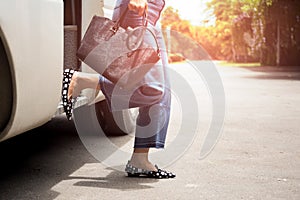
[[153, 93]]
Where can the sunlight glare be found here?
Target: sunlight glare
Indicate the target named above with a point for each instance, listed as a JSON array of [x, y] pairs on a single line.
[[192, 10]]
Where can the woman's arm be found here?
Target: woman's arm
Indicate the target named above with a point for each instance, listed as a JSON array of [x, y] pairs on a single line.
[[139, 6]]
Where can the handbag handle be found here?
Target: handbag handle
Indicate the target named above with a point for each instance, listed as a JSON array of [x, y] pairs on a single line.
[[139, 43], [119, 21], [117, 24], [122, 17]]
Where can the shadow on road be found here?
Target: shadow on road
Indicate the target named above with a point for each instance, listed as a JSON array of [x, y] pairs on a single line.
[[276, 73], [36, 161], [115, 180]]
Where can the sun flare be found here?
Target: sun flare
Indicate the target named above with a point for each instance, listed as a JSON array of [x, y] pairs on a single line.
[[193, 10]]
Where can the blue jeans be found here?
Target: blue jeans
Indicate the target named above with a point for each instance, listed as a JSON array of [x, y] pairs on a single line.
[[153, 97]]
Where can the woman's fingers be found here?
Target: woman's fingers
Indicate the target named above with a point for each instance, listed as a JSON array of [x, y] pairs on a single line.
[[139, 6]]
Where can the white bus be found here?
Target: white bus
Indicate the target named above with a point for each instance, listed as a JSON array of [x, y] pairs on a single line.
[[38, 39]]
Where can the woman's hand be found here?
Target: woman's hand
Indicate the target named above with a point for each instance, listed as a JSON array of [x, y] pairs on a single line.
[[139, 6]]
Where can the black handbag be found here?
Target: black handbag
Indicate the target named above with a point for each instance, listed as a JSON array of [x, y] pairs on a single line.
[[119, 55]]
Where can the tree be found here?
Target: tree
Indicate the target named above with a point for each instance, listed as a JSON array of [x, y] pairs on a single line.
[[247, 30], [282, 33], [234, 20], [170, 17], [265, 30]]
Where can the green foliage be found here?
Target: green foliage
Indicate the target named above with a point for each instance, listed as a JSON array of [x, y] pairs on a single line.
[[246, 30], [241, 32], [170, 17], [281, 44]]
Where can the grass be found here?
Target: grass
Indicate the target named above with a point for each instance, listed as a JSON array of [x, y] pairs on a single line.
[[233, 64]]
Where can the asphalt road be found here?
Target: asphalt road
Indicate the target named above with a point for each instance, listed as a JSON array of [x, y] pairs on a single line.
[[257, 156]]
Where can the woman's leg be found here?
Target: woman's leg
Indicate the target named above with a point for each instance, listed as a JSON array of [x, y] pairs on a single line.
[[82, 81], [158, 115], [139, 159], [146, 136], [152, 124]]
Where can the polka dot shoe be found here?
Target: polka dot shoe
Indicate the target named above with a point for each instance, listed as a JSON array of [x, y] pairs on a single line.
[[67, 104], [158, 174]]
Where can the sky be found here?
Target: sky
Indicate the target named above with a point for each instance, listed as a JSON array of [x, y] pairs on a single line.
[[192, 10]]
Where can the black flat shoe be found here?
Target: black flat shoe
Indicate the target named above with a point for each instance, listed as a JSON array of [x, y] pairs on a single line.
[[67, 104], [137, 172]]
